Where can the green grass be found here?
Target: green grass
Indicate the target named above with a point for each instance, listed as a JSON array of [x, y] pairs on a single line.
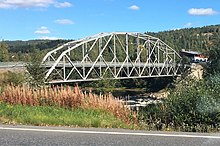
[[45, 115]]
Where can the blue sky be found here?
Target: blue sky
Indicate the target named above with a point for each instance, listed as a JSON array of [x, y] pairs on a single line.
[[73, 19]]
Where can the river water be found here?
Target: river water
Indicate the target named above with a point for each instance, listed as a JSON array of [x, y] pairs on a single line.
[[136, 98]]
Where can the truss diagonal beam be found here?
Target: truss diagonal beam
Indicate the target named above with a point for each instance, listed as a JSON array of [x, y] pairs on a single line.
[[117, 55]]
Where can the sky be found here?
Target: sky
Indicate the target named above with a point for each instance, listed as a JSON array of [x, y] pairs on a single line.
[[75, 19]]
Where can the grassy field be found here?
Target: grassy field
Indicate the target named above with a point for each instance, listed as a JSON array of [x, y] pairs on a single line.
[[47, 115]]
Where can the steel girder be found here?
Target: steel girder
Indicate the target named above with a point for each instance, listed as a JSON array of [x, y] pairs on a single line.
[[117, 55]]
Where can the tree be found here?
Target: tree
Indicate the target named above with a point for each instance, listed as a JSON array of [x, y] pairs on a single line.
[[214, 61], [35, 70], [4, 54]]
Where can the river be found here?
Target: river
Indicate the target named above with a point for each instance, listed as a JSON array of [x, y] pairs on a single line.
[[135, 98]]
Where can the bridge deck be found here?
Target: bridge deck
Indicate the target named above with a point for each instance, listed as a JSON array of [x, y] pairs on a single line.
[[109, 64]]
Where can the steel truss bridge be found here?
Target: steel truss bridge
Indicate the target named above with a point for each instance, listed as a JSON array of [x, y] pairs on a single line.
[[116, 55]]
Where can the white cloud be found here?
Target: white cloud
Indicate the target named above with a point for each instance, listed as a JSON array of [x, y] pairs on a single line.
[[201, 11], [25, 3], [42, 30], [6, 4], [50, 38], [63, 5], [188, 25], [134, 7], [64, 21]]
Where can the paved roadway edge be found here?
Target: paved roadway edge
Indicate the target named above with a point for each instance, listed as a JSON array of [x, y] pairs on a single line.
[[112, 133]]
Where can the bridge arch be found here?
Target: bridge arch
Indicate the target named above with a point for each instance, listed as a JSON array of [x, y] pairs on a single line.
[[116, 55]]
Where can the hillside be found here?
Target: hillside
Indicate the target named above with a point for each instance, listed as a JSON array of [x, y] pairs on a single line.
[[25, 50], [199, 39], [29, 46]]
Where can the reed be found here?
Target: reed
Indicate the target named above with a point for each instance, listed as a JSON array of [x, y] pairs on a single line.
[[65, 97]]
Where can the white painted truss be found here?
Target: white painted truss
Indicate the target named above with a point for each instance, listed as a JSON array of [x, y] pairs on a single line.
[[117, 55]]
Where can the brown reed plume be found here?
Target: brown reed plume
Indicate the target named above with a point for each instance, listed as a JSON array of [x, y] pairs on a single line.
[[66, 97]]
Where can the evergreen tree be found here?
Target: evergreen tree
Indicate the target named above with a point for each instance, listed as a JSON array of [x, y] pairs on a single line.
[[4, 54], [214, 61]]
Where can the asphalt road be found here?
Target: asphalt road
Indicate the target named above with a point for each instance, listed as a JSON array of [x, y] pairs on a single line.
[[54, 136]]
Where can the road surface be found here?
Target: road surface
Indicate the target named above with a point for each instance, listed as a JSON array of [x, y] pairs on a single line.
[[33, 135]]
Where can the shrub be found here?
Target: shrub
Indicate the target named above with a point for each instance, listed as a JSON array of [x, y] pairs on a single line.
[[11, 78], [36, 74], [191, 106]]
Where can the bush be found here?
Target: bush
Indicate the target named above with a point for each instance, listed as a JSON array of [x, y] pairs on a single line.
[[191, 106], [36, 74], [12, 78]]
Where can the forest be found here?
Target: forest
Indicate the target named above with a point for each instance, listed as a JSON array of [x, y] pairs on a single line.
[[200, 39], [23, 50]]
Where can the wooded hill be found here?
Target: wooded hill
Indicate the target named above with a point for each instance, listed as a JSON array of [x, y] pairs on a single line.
[[199, 39], [24, 50], [29, 46]]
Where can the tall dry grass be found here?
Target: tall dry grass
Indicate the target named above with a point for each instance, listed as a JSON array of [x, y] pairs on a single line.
[[66, 97]]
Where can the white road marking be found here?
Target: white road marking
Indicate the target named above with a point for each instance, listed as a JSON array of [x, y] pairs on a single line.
[[111, 133]]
